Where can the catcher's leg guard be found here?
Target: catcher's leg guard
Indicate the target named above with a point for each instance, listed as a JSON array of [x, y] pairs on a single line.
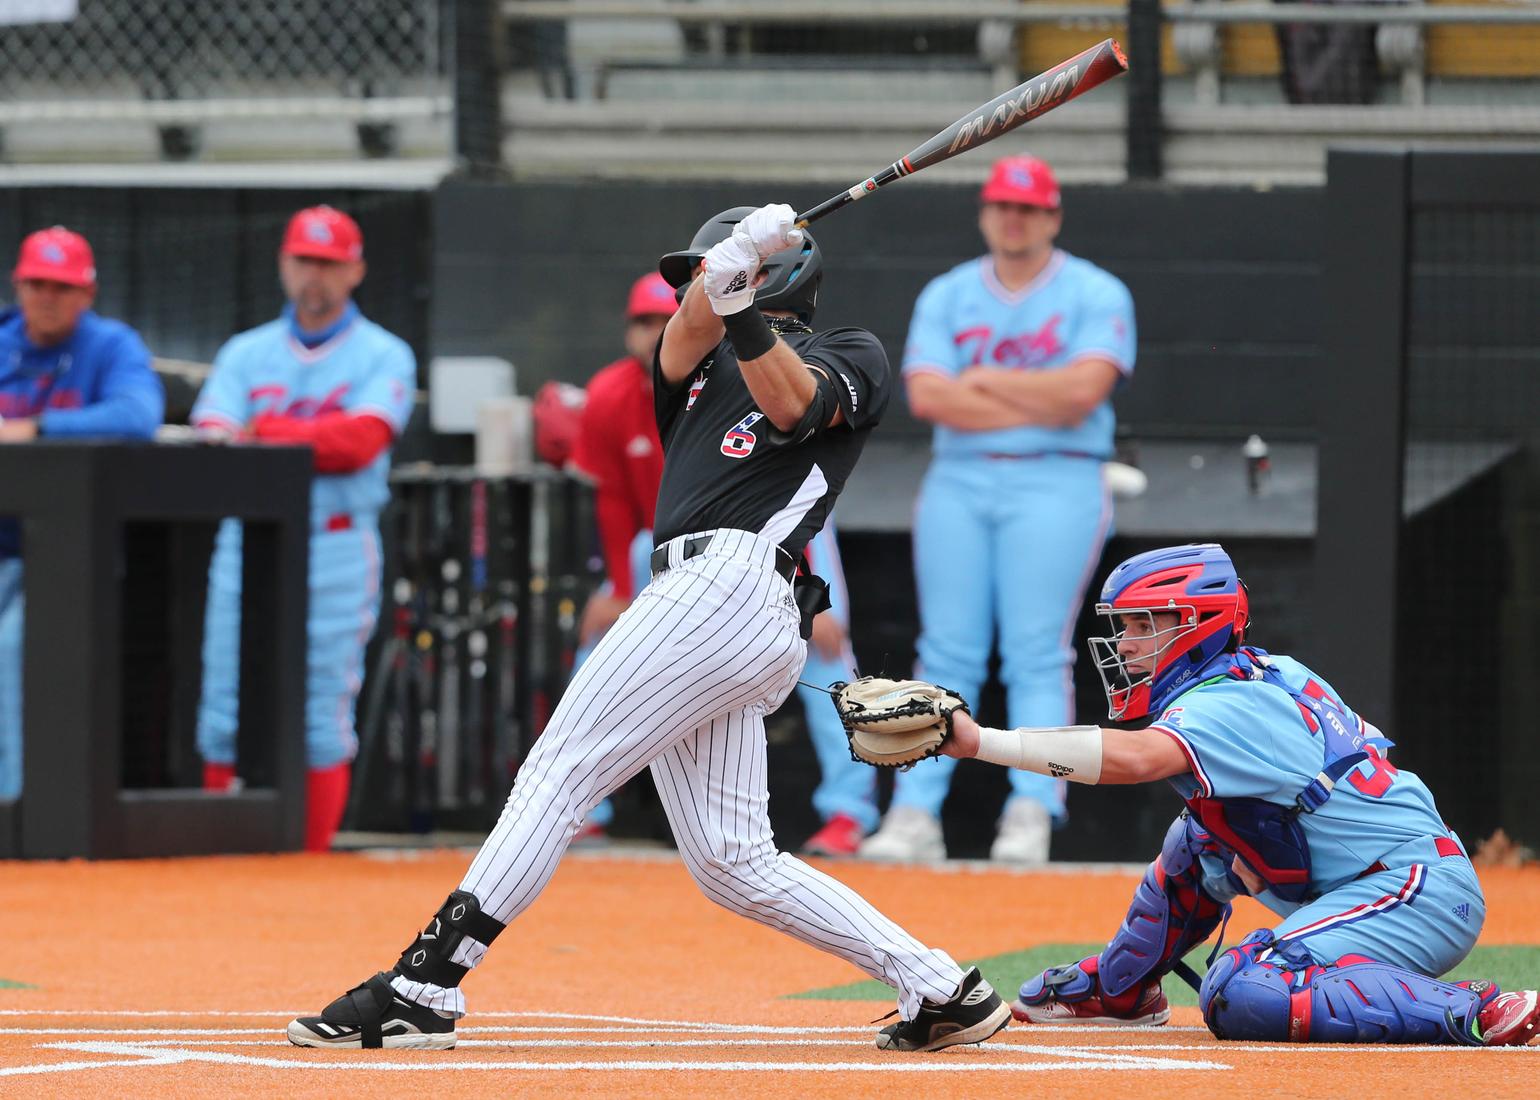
[[1171, 912], [431, 956], [1265, 990]]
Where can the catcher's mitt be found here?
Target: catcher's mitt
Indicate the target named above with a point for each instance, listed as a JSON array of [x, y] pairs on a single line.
[[895, 723]]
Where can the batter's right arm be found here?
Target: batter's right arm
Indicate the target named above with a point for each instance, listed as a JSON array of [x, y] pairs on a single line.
[[691, 335]]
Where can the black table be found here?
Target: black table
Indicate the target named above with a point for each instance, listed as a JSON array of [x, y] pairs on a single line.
[[75, 500]]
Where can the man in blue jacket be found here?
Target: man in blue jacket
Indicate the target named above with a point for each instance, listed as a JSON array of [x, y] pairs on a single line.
[[64, 372]]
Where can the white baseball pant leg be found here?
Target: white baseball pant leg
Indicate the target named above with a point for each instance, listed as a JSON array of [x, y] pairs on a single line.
[[684, 678]]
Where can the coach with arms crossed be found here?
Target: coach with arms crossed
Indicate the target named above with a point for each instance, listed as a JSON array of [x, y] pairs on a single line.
[[1013, 356]]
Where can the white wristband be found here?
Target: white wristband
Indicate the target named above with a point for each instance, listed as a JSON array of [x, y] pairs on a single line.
[[1064, 752]]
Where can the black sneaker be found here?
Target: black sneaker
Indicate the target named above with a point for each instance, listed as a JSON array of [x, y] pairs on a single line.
[[371, 1016], [973, 1014]]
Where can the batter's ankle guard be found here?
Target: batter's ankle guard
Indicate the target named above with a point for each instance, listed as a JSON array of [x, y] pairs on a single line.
[[430, 956]]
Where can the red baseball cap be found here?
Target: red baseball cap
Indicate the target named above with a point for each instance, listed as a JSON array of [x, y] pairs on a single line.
[[1024, 180], [323, 233], [57, 254], [651, 296]]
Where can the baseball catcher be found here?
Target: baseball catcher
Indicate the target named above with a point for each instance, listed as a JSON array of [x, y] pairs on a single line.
[[1291, 798], [895, 723]]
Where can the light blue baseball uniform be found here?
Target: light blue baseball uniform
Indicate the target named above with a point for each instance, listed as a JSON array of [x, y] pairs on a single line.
[[1386, 878], [845, 786], [1010, 524], [355, 367]]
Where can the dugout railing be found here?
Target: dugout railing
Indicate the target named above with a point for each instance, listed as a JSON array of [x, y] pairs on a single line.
[[109, 770]]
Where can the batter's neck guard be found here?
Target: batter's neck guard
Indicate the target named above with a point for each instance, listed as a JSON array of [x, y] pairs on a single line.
[[430, 957]]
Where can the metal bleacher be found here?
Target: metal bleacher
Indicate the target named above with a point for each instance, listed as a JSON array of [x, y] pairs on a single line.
[[680, 96]]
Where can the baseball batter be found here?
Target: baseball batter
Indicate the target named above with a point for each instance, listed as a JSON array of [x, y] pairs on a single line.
[[617, 446], [1291, 798], [64, 372], [1013, 357], [762, 420], [323, 376]]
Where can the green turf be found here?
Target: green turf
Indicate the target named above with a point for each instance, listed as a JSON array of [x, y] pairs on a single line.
[[1511, 967], [6, 984]]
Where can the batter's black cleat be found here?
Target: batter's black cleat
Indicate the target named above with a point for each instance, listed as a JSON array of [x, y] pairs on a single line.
[[372, 1016], [973, 1014]]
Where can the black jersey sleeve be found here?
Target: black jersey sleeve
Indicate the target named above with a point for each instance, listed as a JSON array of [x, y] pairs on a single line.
[[858, 367]]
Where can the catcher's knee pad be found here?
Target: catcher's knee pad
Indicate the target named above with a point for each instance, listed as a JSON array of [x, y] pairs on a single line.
[[1266, 990], [1171, 913], [430, 957]]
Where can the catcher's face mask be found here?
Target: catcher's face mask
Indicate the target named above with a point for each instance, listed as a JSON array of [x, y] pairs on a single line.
[[1146, 640]]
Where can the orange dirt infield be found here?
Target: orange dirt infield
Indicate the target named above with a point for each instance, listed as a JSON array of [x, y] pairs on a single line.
[[175, 978]]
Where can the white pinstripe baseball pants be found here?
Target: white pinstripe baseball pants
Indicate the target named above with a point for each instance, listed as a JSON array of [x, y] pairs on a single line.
[[682, 682]]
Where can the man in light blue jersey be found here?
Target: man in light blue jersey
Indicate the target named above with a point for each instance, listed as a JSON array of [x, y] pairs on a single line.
[[1013, 356], [322, 376], [1291, 798], [846, 796]]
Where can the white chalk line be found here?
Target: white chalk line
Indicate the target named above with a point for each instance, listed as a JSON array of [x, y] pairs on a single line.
[[170, 1046], [520, 1037], [134, 1054], [683, 1025]]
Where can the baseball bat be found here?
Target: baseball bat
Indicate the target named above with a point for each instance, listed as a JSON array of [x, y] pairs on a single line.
[[1028, 100]]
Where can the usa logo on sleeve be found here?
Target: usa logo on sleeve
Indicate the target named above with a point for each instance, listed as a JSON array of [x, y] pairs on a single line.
[[739, 441]]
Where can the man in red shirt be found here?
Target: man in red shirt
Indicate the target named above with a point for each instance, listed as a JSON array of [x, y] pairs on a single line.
[[617, 446]]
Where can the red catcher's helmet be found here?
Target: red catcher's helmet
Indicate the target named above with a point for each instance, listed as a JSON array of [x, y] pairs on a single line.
[[1197, 584], [557, 411]]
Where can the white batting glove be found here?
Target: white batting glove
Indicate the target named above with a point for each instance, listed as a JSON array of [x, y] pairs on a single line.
[[770, 229], [730, 267]]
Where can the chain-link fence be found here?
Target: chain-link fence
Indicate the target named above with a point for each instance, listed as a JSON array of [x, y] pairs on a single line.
[[1220, 90], [191, 267], [113, 71]]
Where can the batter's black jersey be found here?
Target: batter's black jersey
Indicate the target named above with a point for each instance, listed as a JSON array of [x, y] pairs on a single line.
[[726, 465]]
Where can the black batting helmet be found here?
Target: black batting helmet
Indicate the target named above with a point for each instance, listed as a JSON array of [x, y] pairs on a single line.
[[791, 277]]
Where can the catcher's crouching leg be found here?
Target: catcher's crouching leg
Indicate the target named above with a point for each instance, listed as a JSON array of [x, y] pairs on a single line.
[[1272, 991], [1171, 913]]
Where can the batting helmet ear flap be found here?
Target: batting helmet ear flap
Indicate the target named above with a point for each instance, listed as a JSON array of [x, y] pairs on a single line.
[[678, 267]]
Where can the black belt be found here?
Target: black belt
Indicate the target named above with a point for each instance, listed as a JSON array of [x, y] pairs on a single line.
[[785, 565]]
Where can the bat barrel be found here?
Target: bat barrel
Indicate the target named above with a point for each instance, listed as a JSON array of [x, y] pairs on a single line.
[[1000, 115]]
